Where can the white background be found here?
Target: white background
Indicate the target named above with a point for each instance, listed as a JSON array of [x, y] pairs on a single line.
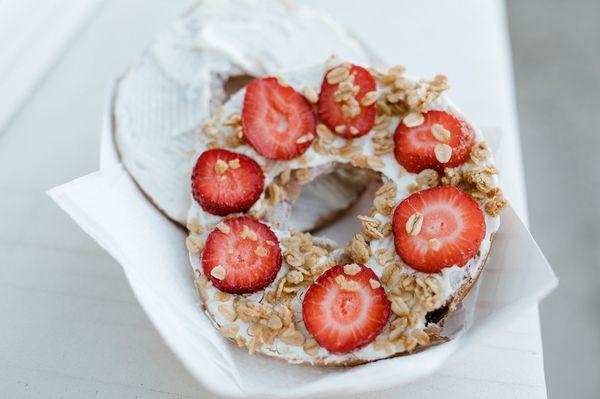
[[71, 327]]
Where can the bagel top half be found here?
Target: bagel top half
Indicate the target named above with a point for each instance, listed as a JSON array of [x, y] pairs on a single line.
[[192, 67]]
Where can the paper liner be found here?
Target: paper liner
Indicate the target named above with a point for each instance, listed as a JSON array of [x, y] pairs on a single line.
[[111, 209]]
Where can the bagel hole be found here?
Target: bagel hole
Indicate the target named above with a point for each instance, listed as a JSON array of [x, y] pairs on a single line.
[[235, 83], [222, 88], [328, 205]]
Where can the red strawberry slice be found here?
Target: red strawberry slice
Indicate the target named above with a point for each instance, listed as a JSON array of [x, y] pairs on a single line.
[[225, 182], [331, 112], [415, 146], [241, 256], [451, 232], [277, 121], [345, 308]]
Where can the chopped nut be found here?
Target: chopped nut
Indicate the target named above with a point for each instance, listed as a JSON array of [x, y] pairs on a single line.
[[337, 75], [324, 133], [352, 269], [413, 119], [397, 327], [275, 193], [384, 256], [261, 251], [194, 244], [285, 176], [386, 229], [305, 138], [347, 285], [311, 347], [387, 273], [221, 167], [428, 177], [382, 122], [210, 129], [251, 312], [222, 296], [397, 70], [435, 244], [387, 189], [443, 152], [234, 163], [382, 344], [310, 94], [440, 133], [385, 196], [229, 330], [269, 335], [240, 341], [275, 322], [494, 206], [293, 257], [218, 272], [201, 281], [421, 337], [248, 234], [410, 343], [260, 212], [228, 311], [302, 174], [383, 142], [414, 224], [294, 277], [223, 228], [483, 178], [370, 227], [193, 226], [256, 332], [480, 152], [233, 120], [286, 314], [291, 336], [281, 81], [412, 187], [374, 283], [384, 205], [369, 98], [358, 249], [400, 323], [399, 306], [452, 176], [340, 129]]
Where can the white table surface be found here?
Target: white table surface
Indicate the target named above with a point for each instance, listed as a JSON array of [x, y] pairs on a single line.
[[70, 326]]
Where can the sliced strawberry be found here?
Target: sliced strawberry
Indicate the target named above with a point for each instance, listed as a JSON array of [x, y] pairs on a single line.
[[345, 308], [277, 121], [452, 229], [224, 182], [331, 113], [415, 145], [241, 256]]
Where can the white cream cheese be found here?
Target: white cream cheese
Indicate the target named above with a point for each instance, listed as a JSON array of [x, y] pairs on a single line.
[[450, 279]]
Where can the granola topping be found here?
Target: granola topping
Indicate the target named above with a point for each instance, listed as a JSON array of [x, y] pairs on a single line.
[[218, 272], [272, 319], [414, 223], [443, 152]]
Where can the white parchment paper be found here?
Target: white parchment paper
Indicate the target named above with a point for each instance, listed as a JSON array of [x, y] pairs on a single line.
[[110, 207]]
